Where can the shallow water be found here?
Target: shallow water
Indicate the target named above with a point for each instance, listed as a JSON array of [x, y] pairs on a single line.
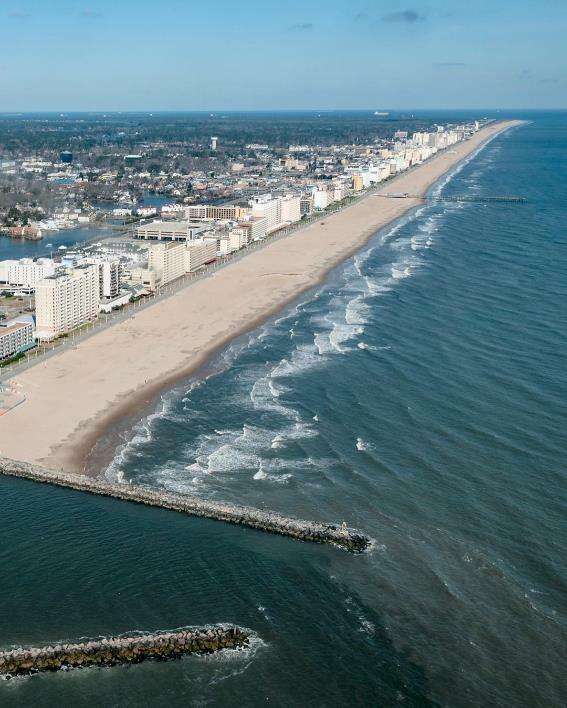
[[420, 395]]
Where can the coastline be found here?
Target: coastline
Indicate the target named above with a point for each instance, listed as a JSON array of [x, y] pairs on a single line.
[[129, 365]]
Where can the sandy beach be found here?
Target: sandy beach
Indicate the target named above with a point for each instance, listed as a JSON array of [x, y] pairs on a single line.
[[76, 396]]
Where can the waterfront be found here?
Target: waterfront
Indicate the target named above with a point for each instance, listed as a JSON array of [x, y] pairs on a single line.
[[251, 289], [433, 363]]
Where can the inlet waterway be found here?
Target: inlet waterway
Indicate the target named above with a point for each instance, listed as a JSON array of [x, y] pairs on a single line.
[[421, 394]]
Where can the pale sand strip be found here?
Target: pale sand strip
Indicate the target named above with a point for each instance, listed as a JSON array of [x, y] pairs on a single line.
[[74, 396]]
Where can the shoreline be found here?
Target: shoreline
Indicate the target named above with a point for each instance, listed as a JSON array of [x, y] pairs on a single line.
[[77, 447]]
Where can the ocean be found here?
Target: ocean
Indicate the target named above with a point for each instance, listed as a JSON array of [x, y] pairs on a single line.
[[420, 394]]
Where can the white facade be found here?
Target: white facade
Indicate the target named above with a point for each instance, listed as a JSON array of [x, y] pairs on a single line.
[[268, 208], [321, 199], [64, 302], [167, 260], [109, 274], [26, 272], [15, 337], [199, 253], [238, 238], [290, 208], [164, 231], [256, 228]]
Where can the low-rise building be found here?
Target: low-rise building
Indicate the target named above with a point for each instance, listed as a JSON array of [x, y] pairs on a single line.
[[16, 337]]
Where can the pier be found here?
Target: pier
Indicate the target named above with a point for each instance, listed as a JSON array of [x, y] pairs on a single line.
[[260, 519], [115, 651]]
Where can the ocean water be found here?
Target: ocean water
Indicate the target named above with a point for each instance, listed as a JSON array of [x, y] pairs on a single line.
[[421, 395]]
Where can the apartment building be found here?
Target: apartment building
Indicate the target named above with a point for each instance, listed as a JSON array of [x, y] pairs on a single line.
[[66, 301], [109, 275], [198, 254], [270, 209], [290, 208], [167, 260]]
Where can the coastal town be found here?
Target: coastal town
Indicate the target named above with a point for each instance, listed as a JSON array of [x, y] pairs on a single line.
[[159, 229]]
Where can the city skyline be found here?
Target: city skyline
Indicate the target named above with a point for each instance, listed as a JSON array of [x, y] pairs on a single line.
[[341, 55]]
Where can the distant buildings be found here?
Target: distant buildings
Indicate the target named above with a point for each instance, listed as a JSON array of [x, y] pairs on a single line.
[[214, 143], [66, 301], [66, 157]]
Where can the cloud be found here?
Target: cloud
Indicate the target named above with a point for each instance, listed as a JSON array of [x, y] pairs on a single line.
[[361, 16], [91, 14], [449, 64], [301, 27], [18, 15], [409, 17]]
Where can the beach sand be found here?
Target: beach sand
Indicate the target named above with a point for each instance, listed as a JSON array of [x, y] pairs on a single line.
[[75, 397]]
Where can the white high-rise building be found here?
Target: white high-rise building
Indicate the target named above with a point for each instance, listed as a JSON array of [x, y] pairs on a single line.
[[109, 273], [290, 208], [321, 198], [268, 208], [26, 272], [167, 260], [64, 302], [198, 253]]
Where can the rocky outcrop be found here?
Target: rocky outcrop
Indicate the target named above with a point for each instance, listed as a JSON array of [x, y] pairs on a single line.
[[269, 521], [122, 650]]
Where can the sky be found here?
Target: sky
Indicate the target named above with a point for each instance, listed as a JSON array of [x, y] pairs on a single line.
[[64, 55]]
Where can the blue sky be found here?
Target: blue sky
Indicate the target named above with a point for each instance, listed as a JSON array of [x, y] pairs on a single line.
[[264, 54]]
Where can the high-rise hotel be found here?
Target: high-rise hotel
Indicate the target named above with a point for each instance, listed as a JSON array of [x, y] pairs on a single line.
[[66, 301]]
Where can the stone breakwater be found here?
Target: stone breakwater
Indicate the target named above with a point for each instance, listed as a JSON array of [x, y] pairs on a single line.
[[263, 520], [122, 650]]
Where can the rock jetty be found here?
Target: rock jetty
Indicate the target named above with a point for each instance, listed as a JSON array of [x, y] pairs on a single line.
[[263, 520], [122, 650]]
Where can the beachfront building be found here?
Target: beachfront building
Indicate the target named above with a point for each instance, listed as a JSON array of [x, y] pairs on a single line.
[[290, 208], [198, 254], [167, 260], [16, 337], [67, 300], [238, 238], [145, 278], [254, 228], [26, 272], [264, 206], [321, 198], [110, 275]]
